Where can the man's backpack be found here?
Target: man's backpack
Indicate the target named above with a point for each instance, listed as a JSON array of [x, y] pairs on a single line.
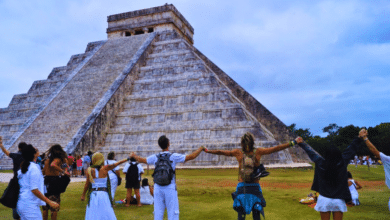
[[132, 173], [247, 167], [163, 171]]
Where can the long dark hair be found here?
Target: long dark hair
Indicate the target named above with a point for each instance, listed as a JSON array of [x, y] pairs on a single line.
[[56, 151], [333, 160], [28, 153]]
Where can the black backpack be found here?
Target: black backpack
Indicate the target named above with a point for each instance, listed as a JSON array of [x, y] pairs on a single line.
[[132, 173], [163, 171]]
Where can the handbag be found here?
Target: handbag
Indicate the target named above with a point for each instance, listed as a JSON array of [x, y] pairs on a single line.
[[11, 194], [119, 179]]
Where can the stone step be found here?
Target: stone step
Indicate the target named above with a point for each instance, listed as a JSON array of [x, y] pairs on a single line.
[[12, 128], [174, 126], [198, 94], [168, 46], [18, 99], [76, 59], [169, 85], [18, 115], [171, 57], [184, 66], [171, 41], [147, 79], [24, 107], [153, 112], [58, 73], [169, 53]]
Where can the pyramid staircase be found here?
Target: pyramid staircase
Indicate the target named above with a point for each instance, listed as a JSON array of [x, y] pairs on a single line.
[[178, 95]]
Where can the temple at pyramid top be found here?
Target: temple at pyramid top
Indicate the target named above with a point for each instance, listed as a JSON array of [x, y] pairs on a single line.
[[145, 80], [158, 19]]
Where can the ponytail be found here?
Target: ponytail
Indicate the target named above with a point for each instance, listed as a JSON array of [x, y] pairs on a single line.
[[28, 153]]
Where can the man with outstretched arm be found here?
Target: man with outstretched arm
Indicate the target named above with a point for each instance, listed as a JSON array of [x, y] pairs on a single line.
[[248, 196], [17, 159], [165, 194], [383, 157]]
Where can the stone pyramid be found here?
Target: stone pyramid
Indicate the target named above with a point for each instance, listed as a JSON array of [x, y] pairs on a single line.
[[147, 79]]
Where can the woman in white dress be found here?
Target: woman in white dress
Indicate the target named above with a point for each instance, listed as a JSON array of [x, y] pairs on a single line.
[[98, 187], [146, 193], [30, 179], [113, 174]]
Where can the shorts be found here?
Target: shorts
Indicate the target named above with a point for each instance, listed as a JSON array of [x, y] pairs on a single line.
[[79, 168], [325, 204], [54, 198], [133, 185]]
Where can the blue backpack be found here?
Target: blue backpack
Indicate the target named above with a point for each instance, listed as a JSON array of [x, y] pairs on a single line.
[[163, 171]]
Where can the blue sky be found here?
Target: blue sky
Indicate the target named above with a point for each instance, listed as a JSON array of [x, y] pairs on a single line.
[[309, 62]]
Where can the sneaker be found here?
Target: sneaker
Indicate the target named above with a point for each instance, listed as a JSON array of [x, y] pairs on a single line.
[[259, 172]]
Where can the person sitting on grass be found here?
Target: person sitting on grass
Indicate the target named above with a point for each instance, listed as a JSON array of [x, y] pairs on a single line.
[[98, 186], [248, 196], [331, 178], [146, 192], [383, 157], [354, 186]]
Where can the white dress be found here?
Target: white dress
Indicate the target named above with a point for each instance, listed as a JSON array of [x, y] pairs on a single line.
[[146, 197], [28, 204], [99, 207]]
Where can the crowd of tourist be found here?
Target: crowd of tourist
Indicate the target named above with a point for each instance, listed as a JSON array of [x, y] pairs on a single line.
[[43, 178]]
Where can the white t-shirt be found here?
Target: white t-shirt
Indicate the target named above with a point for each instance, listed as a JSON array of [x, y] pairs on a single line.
[[175, 158], [32, 179], [140, 169], [111, 173], [386, 165]]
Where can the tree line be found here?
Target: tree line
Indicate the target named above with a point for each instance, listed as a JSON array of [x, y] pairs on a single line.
[[341, 137]]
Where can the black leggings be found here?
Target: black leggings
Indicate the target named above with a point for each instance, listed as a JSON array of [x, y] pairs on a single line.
[[255, 214]]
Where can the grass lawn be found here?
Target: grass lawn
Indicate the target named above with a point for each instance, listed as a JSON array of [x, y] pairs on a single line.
[[206, 194]]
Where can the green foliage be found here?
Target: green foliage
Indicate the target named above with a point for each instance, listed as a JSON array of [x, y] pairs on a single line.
[[341, 137]]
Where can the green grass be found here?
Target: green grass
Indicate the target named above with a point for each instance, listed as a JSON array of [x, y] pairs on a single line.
[[6, 171], [206, 194]]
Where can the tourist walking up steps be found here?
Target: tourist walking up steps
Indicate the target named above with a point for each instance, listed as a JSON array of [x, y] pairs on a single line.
[[331, 178], [248, 196], [56, 178], [383, 157], [165, 193], [31, 187], [97, 187], [17, 159]]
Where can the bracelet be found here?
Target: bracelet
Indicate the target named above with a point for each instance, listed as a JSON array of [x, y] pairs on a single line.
[[365, 139], [291, 143]]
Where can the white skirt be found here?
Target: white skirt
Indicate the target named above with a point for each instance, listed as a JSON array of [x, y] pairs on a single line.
[[325, 204], [99, 207]]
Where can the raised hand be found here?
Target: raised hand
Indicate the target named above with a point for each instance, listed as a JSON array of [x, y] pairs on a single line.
[[363, 133], [299, 140]]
